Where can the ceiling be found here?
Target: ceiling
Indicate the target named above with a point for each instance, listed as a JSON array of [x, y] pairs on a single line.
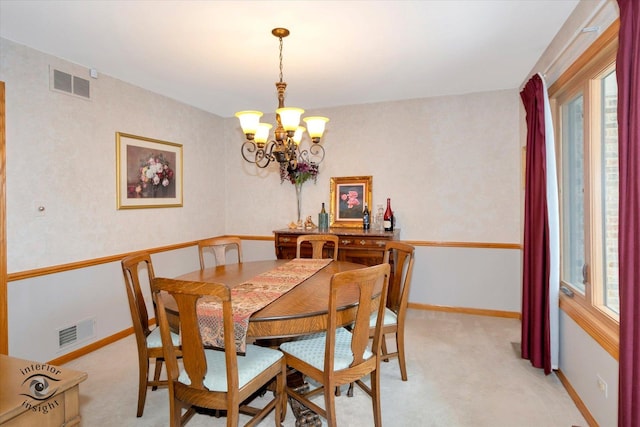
[[220, 56]]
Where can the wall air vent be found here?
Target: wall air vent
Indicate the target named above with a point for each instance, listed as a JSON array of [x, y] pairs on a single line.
[[81, 87], [67, 336], [81, 331], [61, 81]]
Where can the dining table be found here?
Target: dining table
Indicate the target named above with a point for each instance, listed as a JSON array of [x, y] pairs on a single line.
[[300, 311]]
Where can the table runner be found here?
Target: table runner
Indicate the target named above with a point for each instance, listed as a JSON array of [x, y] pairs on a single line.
[[251, 296]]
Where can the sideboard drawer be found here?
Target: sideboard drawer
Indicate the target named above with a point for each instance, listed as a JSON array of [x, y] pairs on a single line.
[[359, 242], [286, 239]]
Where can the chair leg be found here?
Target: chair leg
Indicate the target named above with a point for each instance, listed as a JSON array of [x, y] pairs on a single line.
[[156, 375], [175, 412], [330, 406], [400, 350], [384, 348], [142, 385], [281, 404], [233, 416], [350, 390], [375, 398]]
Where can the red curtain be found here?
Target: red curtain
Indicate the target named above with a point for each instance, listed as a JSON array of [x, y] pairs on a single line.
[[628, 76], [536, 344]]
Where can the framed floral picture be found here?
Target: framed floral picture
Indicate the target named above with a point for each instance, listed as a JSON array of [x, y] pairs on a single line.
[[148, 172], [347, 199]]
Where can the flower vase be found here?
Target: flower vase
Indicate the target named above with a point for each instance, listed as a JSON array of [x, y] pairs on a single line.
[[299, 200]]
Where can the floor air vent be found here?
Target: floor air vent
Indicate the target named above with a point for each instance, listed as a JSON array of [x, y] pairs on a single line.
[[76, 333], [70, 84]]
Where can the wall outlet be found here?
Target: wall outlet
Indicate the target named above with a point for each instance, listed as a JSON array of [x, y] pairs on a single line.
[[602, 385]]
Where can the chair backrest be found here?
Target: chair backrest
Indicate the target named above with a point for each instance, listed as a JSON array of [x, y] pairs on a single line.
[[401, 255], [137, 306], [317, 244], [186, 295], [219, 246], [367, 279]]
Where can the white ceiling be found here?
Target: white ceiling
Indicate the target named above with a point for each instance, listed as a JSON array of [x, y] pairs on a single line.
[[220, 56]]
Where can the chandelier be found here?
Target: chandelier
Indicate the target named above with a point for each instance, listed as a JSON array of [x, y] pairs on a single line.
[[285, 146]]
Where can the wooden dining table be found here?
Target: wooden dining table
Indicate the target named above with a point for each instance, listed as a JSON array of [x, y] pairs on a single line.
[[303, 310]]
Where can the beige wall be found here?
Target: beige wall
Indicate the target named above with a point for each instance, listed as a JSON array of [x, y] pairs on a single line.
[[451, 166], [61, 155]]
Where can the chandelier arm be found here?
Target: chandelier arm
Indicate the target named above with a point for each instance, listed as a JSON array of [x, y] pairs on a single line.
[[303, 155], [314, 155], [268, 151], [248, 147], [261, 157]]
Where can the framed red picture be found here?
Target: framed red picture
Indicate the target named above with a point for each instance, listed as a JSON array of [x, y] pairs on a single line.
[[348, 196]]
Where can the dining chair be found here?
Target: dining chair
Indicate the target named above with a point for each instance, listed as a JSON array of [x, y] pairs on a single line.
[[219, 246], [339, 356], [147, 340], [317, 244], [212, 379], [402, 256]]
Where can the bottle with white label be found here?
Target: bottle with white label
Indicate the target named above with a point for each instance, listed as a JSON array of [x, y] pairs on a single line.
[[388, 217]]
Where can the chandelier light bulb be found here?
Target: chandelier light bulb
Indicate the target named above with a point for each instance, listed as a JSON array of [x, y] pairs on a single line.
[[297, 136], [316, 127], [262, 133], [290, 117], [249, 121]]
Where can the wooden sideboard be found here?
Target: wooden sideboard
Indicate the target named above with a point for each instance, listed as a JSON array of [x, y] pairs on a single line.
[[37, 394], [355, 244]]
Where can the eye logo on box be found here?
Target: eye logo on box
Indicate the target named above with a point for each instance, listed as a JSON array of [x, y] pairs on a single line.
[[39, 386]]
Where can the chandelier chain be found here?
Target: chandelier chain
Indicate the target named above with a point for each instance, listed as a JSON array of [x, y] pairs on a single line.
[[280, 59]]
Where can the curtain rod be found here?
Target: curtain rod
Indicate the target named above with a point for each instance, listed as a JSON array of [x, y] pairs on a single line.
[[581, 30]]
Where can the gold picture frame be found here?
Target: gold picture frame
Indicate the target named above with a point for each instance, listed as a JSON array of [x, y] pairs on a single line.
[[347, 197], [148, 172]]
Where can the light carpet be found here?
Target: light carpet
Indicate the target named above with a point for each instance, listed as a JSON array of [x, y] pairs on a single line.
[[464, 371]]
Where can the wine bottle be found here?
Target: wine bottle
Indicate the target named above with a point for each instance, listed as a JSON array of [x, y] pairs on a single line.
[[388, 217], [366, 218]]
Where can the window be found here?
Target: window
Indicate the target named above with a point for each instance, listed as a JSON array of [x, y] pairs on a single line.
[[590, 248], [572, 184], [609, 138], [585, 116]]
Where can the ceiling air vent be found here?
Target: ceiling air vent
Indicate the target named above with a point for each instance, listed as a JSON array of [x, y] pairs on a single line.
[[70, 84]]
